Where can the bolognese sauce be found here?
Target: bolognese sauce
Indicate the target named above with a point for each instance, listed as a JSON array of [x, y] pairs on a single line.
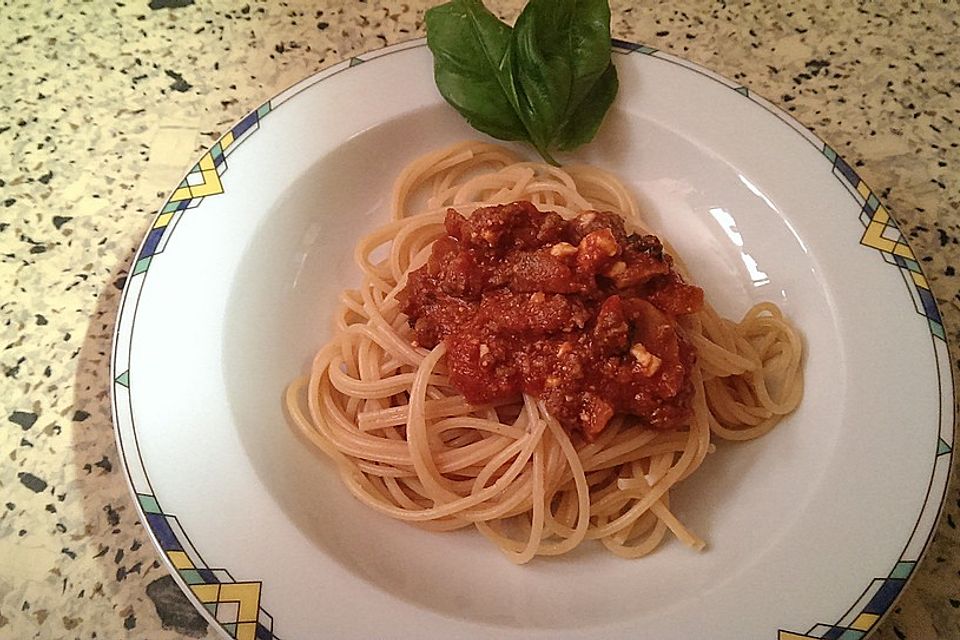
[[576, 312]]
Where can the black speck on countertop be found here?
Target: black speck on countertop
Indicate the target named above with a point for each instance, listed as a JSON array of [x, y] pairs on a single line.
[[25, 419], [179, 84], [175, 611], [113, 516], [169, 4], [32, 482]]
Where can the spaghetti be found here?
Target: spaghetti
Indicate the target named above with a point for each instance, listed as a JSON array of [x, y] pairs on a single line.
[[409, 445]]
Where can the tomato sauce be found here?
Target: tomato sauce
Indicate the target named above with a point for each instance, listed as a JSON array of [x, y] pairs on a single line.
[[576, 312]]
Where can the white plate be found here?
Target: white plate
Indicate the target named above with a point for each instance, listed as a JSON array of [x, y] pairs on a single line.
[[812, 529]]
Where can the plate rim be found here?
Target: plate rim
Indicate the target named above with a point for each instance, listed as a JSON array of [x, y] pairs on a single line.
[[203, 585]]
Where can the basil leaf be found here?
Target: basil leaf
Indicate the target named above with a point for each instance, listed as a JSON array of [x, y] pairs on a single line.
[[560, 50], [583, 123], [469, 45], [548, 81]]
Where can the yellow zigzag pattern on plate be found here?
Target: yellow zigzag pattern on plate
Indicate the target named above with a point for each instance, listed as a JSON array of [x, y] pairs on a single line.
[[862, 623], [203, 179], [235, 605], [873, 237]]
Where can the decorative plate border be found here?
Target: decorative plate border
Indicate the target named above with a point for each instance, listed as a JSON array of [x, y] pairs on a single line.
[[235, 605]]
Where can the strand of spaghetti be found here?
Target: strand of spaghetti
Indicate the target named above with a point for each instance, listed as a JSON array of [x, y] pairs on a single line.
[[626, 447], [416, 262], [410, 241], [399, 495], [435, 485], [385, 334], [389, 339], [530, 441], [304, 424], [385, 234], [721, 361], [699, 423], [494, 427], [513, 192], [359, 445], [397, 415], [495, 160], [652, 450], [582, 504], [385, 388], [377, 238], [537, 497], [635, 539], [725, 405], [443, 192], [635, 445], [368, 364], [549, 526], [606, 188], [367, 246], [469, 455], [462, 505], [337, 427], [661, 509], [723, 330], [789, 403], [423, 168], [382, 470], [548, 171], [346, 469], [653, 495], [350, 302]]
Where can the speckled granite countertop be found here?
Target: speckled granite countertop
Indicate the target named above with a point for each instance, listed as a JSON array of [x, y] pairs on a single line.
[[103, 106]]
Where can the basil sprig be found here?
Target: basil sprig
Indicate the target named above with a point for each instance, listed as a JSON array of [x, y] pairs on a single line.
[[548, 80]]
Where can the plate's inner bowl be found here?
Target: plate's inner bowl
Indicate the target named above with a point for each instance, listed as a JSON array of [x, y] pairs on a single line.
[[742, 500]]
